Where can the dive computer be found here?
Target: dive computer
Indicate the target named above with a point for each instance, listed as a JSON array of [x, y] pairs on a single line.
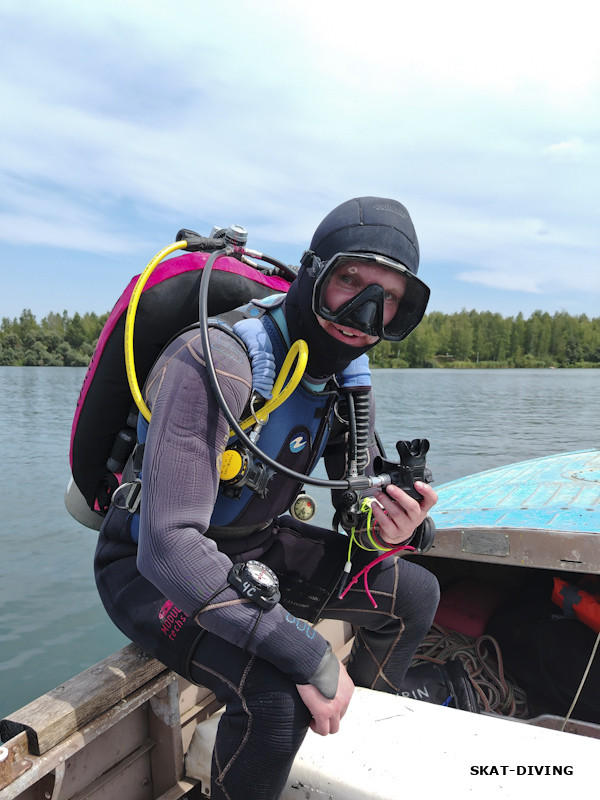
[[257, 582]]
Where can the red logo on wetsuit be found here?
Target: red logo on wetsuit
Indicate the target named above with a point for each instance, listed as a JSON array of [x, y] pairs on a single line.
[[172, 619]]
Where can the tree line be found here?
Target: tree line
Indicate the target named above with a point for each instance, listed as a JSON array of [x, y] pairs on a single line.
[[57, 341], [481, 338], [463, 339]]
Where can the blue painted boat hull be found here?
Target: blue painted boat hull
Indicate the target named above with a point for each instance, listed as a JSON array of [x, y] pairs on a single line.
[[544, 513]]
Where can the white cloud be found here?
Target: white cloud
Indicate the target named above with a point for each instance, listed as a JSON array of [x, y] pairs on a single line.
[[511, 280], [571, 149], [125, 117]]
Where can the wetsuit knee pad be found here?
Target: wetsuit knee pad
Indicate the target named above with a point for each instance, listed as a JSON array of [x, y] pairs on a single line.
[[263, 725], [418, 594]]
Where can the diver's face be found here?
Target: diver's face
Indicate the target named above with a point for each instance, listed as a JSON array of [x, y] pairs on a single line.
[[348, 280]]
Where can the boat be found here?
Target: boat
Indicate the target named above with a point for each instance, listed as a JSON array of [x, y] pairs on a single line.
[[130, 728], [543, 513]]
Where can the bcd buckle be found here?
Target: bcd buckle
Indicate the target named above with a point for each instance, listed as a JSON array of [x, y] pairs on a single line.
[[132, 496]]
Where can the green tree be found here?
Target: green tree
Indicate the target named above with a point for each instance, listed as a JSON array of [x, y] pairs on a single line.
[[9, 356], [27, 323], [461, 337], [75, 332], [420, 347], [517, 336]]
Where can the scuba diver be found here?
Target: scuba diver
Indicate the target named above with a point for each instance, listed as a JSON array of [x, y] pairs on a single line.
[[209, 572]]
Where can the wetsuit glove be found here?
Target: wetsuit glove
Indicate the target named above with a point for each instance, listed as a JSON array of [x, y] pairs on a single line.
[[327, 674], [260, 350]]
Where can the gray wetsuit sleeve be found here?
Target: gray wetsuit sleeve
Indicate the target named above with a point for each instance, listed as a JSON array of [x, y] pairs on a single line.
[[186, 438]]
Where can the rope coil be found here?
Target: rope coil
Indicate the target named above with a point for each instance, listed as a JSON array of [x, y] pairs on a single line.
[[482, 659]]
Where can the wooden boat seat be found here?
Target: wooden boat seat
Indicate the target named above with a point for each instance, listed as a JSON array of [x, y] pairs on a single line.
[[125, 723]]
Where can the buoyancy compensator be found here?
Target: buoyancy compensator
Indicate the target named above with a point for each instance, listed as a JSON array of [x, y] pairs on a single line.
[[167, 297], [103, 429]]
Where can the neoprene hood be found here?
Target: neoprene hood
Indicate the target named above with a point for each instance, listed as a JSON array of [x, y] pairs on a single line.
[[368, 225], [374, 227]]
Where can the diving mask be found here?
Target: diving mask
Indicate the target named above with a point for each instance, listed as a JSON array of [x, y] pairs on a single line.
[[390, 311]]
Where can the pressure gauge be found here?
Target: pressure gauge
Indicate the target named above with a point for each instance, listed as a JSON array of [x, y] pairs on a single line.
[[303, 508]]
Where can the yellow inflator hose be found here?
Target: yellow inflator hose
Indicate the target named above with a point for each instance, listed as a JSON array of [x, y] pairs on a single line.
[[134, 386], [297, 352]]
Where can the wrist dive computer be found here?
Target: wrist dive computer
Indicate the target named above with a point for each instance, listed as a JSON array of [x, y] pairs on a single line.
[[257, 582]]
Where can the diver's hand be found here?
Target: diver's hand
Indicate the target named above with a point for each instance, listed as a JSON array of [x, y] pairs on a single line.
[[398, 514], [326, 714]]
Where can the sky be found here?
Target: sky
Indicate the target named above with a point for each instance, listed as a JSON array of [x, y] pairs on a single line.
[[123, 122]]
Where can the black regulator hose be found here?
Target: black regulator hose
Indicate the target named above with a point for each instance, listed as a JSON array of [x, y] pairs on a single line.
[[289, 273], [352, 448], [360, 482], [362, 414], [358, 405]]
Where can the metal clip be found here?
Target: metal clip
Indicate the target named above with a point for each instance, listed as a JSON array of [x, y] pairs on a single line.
[[132, 492]]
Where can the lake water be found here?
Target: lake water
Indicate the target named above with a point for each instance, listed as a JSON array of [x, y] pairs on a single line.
[[53, 624]]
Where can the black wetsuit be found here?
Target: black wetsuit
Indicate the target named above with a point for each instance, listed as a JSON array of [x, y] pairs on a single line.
[[169, 593]]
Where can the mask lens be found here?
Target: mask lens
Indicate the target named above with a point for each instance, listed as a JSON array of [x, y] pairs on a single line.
[[370, 293]]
